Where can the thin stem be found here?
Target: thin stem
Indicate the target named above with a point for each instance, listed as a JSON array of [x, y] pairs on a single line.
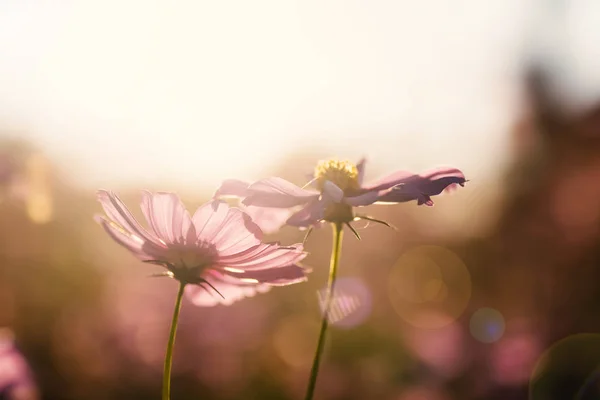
[[166, 393], [335, 260]]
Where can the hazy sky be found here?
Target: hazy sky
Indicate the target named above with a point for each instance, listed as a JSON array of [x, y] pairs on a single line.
[[190, 92]]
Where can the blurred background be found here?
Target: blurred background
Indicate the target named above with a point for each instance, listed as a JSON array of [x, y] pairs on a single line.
[[494, 293]]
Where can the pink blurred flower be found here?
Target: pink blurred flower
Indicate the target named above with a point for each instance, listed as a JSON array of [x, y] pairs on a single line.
[[16, 381], [441, 349], [513, 358], [219, 247], [340, 187], [422, 393]]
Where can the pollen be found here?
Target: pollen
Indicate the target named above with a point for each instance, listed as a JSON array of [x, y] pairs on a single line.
[[341, 172]]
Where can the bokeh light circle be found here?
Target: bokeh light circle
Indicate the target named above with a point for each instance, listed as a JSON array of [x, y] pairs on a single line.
[[487, 325], [441, 349], [512, 358], [351, 303], [569, 369], [426, 280]]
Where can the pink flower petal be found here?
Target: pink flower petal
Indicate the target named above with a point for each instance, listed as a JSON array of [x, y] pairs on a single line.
[[242, 264], [226, 259], [231, 292], [202, 297], [391, 180], [269, 220], [311, 214], [188, 230], [403, 186], [118, 212], [274, 257], [278, 193], [282, 276], [142, 249], [333, 191], [166, 214], [238, 232], [425, 200], [209, 218], [364, 199], [125, 239], [233, 188]]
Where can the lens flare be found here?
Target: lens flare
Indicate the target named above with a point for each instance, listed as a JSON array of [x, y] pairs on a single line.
[[513, 357], [351, 303], [569, 369], [442, 350], [429, 279], [487, 325], [39, 199]]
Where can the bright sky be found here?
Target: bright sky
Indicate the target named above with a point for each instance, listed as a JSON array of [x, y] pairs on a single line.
[[191, 92]]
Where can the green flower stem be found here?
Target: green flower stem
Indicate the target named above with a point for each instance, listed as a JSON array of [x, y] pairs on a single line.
[[166, 393], [335, 260]]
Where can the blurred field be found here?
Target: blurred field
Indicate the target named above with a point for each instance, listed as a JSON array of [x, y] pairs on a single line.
[[492, 294]]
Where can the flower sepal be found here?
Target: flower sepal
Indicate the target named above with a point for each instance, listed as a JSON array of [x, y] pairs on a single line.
[[186, 276], [338, 213], [377, 221]]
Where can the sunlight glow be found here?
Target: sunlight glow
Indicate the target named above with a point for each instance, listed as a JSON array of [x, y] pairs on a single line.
[[39, 201], [234, 270], [194, 93]]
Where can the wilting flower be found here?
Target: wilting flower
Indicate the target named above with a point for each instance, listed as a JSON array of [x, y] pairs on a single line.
[[218, 248], [339, 188]]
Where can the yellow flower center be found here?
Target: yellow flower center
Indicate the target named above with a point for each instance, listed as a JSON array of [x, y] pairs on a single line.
[[343, 173]]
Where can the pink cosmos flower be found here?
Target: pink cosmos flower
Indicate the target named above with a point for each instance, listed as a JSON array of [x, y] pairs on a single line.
[[218, 248], [339, 187]]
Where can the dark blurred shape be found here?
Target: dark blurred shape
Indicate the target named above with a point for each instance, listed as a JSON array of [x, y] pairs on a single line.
[[540, 263], [569, 369]]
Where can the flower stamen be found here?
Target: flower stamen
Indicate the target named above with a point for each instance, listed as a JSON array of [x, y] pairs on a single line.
[[342, 173]]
